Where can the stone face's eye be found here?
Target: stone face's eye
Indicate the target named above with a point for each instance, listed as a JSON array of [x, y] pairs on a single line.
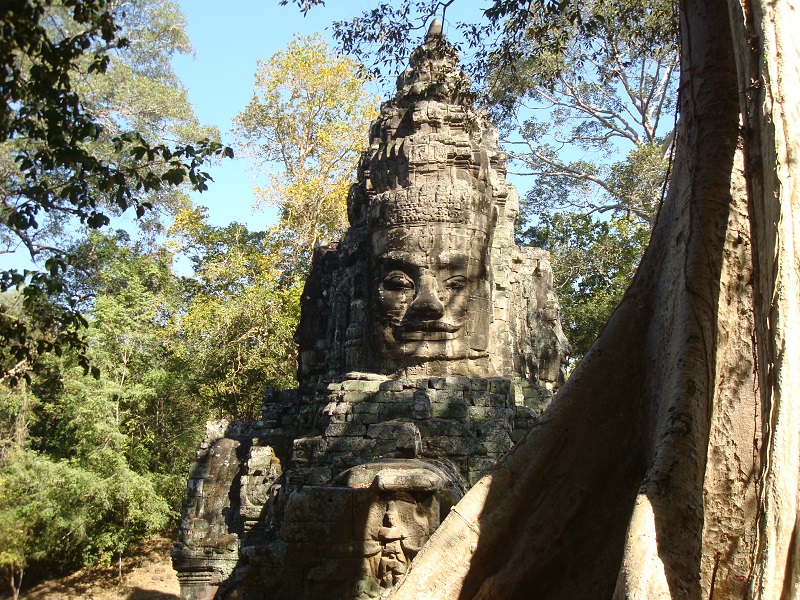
[[397, 282], [458, 282]]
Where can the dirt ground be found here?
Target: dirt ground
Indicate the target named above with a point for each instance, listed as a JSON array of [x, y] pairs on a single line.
[[146, 575]]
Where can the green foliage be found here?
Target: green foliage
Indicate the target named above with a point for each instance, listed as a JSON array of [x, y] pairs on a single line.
[[65, 514], [93, 465], [308, 116], [593, 262], [67, 159], [236, 335]]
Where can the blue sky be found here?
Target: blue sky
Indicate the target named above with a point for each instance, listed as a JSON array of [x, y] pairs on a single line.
[[229, 37]]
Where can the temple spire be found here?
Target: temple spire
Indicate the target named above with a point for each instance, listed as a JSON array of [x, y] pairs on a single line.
[[434, 31]]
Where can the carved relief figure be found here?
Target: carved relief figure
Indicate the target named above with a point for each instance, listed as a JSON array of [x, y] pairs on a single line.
[[430, 293], [393, 562]]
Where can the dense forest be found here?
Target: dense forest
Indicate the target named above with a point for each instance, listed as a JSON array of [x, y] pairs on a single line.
[[137, 320]]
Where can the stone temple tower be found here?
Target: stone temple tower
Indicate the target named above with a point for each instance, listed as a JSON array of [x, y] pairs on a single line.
[[428, 344]]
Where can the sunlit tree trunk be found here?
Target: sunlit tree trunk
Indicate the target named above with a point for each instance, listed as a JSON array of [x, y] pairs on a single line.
[[767, 47], [669, 465]]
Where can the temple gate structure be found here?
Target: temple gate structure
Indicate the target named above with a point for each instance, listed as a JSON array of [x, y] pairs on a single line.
[[428, 345]]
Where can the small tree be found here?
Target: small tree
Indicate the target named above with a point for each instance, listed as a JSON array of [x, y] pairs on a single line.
[[308, 116], [593, 263]]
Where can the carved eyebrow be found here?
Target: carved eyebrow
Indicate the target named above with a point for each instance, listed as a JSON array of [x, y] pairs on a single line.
[[400, 259], [454, 259], [397, 256]]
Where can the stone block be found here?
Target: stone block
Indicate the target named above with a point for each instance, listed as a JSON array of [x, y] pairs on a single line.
[[395, 410], [378, 397], [396, 435], [500, 385], [361, 385], [393, 385], [354, 445], [479, 384], [538, 403], [443, 427], [368, 418], [308, 450], [355, 397], [501, 400], [478, 398], [408, 480], [309, 476], [458, 382], [483, 414], [447, 446], [392, 429], [421, 407], [313, 531], [317, 503], [449, 394], [499, 445], [337, 408], [449, 410], [351, 428], [437, 383], [366, 408], [405, 395]]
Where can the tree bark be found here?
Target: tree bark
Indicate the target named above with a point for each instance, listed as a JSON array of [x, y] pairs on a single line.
[[669, 464], [768, 64]]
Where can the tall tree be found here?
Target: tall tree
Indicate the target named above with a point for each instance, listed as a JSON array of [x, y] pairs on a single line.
[[235, 335], [577, 97], [308, 116], [67, 160], [669, 464]]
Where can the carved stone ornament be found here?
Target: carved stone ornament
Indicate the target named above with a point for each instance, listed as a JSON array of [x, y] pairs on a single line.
[[428, 344]]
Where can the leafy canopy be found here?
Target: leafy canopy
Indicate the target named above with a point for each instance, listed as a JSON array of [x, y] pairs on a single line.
[[306, 126], [236, 332], [65, 166]]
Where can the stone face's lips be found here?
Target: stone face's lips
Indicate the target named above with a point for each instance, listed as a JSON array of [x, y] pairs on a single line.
[[426, 331]]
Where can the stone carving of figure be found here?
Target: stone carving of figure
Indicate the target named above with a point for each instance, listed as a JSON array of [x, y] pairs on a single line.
[[393, 561], [430, 297]]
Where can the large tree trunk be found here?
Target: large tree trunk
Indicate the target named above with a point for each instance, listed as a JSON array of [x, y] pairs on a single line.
[[767, 38], [669, 465]]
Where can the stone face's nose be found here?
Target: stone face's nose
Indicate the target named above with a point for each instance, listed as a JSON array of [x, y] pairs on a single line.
[[426, 305]]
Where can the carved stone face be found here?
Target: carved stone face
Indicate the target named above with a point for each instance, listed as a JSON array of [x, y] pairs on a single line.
[[430, 294]]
